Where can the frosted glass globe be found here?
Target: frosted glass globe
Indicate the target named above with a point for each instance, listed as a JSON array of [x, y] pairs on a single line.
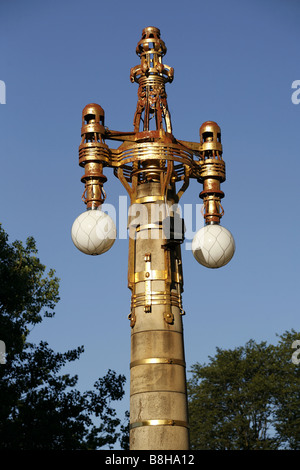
[[213, 246], [93, 232]]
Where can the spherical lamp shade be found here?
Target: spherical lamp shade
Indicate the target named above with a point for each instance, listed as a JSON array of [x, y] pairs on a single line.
[[213, 246], [93, 232]]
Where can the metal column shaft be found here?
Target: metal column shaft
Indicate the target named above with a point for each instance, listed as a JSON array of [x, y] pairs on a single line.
[[158, 401]]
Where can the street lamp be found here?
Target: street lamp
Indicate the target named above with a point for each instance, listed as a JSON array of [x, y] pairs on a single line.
[[150, 163]]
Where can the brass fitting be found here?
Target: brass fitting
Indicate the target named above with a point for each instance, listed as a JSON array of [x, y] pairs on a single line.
[[93, 155], [212, 171], [151, 75]]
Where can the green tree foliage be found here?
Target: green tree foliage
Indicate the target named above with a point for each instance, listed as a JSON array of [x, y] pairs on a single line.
[[247, 398], [40, 407], [287, 400]]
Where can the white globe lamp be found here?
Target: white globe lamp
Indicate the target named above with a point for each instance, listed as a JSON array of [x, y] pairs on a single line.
[[213, 246], [93, 232]]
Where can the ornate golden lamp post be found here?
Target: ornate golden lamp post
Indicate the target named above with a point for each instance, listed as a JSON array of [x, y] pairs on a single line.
[[150, 163]]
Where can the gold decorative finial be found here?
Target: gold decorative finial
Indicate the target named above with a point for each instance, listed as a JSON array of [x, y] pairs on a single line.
[[93, 153], [212, 171], [151, 75]]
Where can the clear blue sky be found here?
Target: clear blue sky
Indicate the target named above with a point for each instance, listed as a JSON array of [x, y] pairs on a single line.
[[234, 63]]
